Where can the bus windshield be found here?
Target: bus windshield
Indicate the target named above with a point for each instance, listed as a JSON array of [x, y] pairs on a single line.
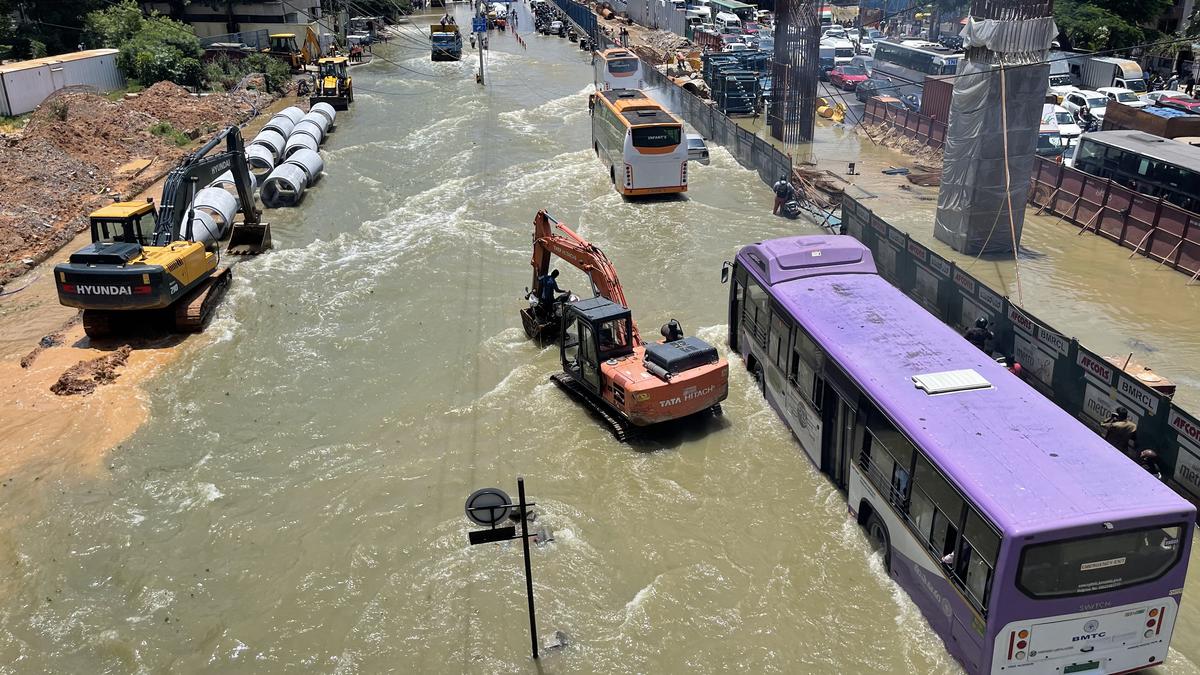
[[616, 66], [656, 136], [1060, 80], [1101, 563]]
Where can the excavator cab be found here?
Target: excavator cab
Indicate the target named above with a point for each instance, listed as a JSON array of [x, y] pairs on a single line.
[[594, 331], [283, 47], [124, 222]]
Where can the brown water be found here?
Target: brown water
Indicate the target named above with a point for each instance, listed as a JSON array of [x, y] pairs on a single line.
[[295, 500]]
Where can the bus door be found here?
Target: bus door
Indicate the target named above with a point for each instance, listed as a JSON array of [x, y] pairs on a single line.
[[837, 438]]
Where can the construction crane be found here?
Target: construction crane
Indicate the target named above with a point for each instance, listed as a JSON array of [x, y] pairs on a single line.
[[132, 278], [606, 365]]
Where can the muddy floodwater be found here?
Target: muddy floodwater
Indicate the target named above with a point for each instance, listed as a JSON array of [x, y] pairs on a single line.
[[294, 502]]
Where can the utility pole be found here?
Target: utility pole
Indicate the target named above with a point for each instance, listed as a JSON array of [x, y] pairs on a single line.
[[479, 27]]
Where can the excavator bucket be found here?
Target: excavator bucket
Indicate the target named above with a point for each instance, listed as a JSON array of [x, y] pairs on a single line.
[[245, 239]]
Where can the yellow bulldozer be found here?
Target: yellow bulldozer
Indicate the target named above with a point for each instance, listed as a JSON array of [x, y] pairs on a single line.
[[283, 46]]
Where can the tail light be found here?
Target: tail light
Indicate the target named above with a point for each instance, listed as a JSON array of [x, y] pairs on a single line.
[[683, 172], [628, 176]]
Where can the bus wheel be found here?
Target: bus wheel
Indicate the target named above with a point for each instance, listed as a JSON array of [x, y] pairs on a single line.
[[596, 147], [760, 380], [878, 535], [612, 175]]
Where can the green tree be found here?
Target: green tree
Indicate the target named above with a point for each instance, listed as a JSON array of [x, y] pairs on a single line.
[[162, 50], [57, 23], [114, 26], [1089, 26]]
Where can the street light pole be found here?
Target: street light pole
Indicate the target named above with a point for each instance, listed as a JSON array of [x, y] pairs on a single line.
[[528, 573]]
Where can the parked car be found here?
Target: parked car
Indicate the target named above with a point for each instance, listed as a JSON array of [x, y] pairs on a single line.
[[852, 34], [1057, 120], [912, 101], [834, 33], [1074, 101], [1122, 95], [864, 45], [865, 62], [875, 86], [697, 149], [847, 77], [556, 28], [1153, 97]]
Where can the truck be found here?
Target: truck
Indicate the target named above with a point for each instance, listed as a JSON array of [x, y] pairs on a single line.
[[445, 42], [1110, 71], [1061, 78]]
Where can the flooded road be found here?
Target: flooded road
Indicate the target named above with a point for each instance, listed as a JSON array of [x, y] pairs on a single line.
[[295, 501]]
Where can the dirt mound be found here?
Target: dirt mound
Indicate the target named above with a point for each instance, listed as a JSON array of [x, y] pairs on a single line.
[[169, 102], [83, 377]]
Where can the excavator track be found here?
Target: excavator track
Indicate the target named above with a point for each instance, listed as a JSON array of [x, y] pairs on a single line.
[[619, 426], [194, 310]]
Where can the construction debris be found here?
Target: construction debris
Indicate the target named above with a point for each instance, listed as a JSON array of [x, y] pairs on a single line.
[[83, 377]]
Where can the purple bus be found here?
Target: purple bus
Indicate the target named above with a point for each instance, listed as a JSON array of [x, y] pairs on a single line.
[[1029, 544]]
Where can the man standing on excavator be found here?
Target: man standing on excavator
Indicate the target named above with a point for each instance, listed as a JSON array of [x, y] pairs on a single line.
[[547, 290]]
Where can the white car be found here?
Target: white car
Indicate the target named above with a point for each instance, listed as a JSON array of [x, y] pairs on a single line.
[[1074, 101], [852, 34], [1057, 120], [1122, 95], [865, 45], [1151, 98], [834, 32], [697, 149]]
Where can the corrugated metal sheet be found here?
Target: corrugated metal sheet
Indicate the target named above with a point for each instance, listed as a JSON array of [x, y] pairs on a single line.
[[26, 84], [935, 101]]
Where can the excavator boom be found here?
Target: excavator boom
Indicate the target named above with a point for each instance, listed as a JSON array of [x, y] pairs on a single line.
[[552, 238]]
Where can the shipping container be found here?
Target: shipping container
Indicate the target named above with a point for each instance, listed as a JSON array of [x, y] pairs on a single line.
[[1154, 120], [935, 103], [25, 84]]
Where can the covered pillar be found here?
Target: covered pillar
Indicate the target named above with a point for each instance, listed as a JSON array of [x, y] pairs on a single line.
[[995, 114]]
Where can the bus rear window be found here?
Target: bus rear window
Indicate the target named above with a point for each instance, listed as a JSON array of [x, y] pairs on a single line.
[[655, 137], [1101, 563], [622, 66]]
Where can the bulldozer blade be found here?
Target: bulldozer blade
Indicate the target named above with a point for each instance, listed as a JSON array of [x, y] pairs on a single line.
[[249, 239]]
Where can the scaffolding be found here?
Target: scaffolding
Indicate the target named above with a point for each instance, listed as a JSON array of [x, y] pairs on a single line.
[[794, 71]]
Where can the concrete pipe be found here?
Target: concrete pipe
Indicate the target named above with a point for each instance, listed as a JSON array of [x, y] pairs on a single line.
[[284, 187], [281, 124], [204, 229], [299, 141], [320, 119], [273, 141], [326, 110], [310, 128], [226, 182], [261, 160], [217, 203], [310, 161], [293, 113]]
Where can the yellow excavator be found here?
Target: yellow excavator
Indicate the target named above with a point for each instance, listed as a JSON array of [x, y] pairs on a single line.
[[283, 47], [334, 84], [145, 269]]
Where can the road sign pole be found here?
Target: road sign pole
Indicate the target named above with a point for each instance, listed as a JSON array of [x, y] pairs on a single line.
[[533, 638]]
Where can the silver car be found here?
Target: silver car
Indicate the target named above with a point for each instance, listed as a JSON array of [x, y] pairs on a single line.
[[697, 149]]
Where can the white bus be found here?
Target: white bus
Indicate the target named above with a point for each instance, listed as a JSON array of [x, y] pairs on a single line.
[[908, 64], [641, 143], [617, 69]]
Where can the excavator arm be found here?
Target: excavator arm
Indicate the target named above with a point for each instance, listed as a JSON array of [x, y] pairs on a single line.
[[310, 51], [552, 238], [197, 171]]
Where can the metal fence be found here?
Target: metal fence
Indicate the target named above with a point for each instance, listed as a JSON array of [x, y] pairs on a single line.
[[1078, 380], [581, 16], [1149, 225], [748, 149], [658, 14], [255, 39], [929, 131]]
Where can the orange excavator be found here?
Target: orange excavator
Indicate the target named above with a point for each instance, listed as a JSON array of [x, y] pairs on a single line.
[[607, 366]]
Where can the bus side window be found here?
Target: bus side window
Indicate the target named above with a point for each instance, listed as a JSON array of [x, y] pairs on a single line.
[[900, 451], [977, 557], [781, 334], [806, 363], [947, 508]]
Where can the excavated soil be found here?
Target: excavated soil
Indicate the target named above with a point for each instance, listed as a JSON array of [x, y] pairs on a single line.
[[79, 150], [85, 376]]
